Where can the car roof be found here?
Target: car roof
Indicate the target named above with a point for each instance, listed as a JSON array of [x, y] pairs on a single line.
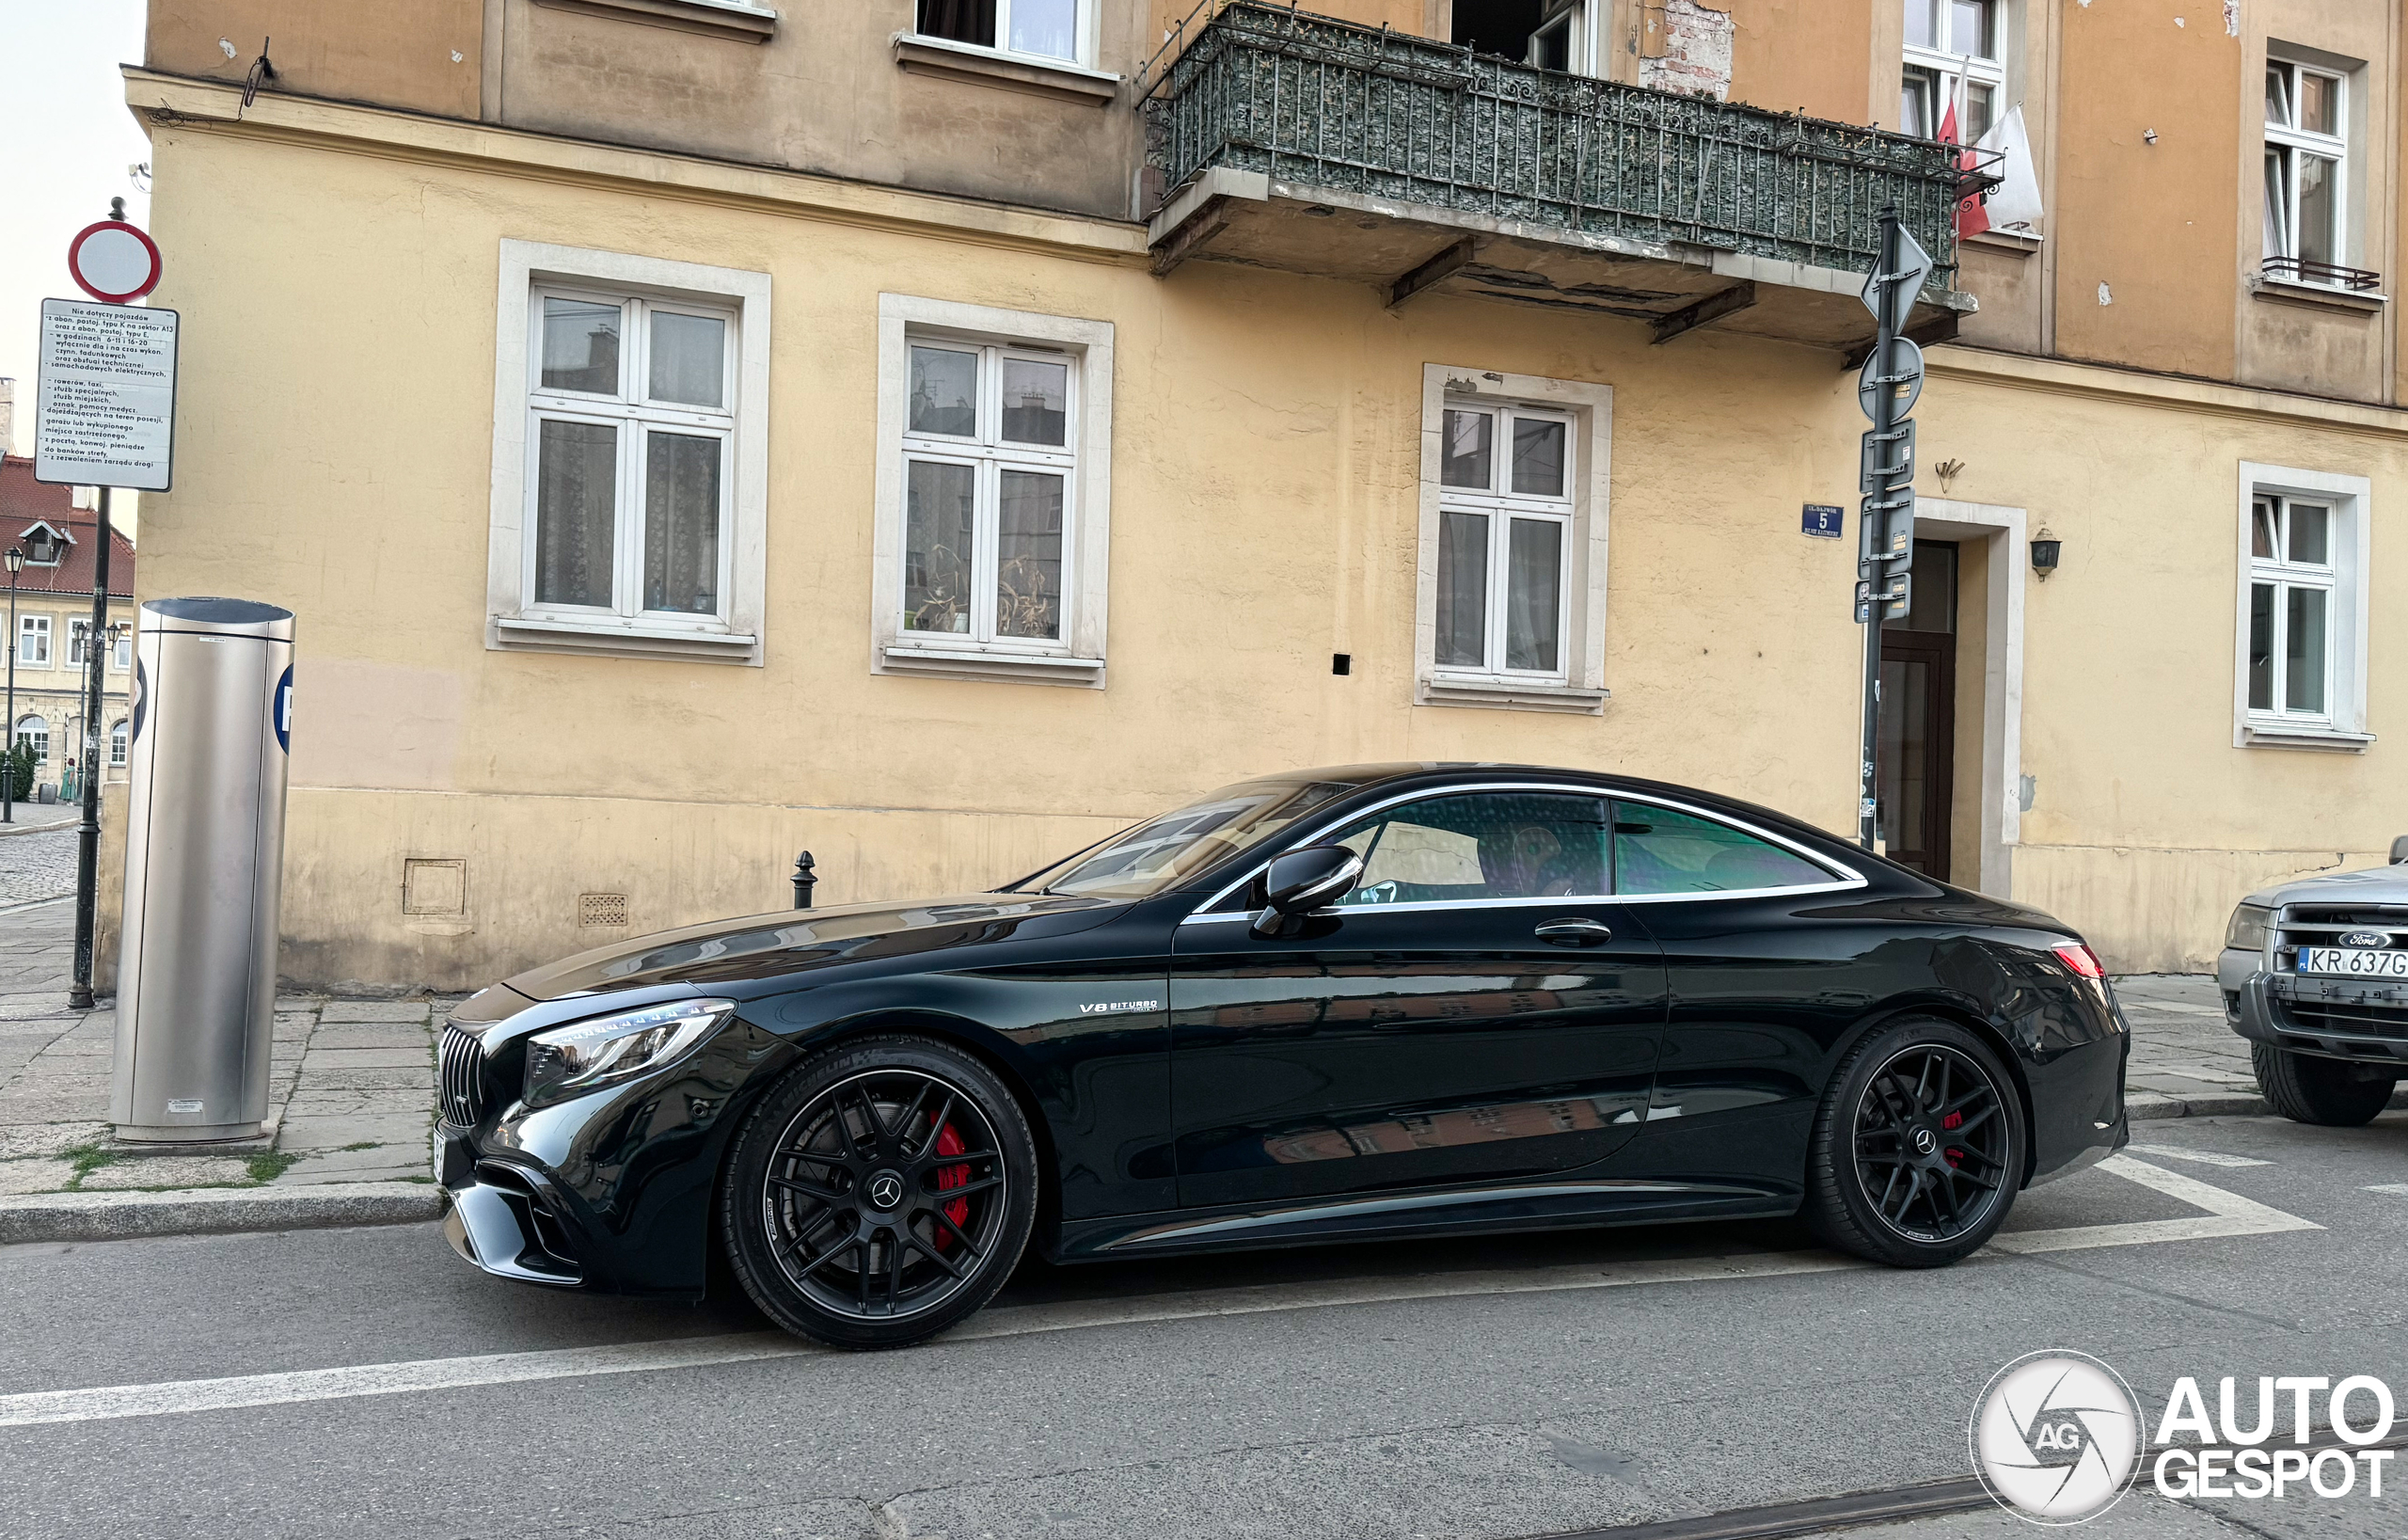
[[1398, 775]]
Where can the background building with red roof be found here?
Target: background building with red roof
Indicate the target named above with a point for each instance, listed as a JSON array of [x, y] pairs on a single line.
[[58, 529]]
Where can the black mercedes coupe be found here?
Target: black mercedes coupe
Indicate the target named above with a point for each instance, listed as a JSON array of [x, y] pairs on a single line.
[[1349, 1003]]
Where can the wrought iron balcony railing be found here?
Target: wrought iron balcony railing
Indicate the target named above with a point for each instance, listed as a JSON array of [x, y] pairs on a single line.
[[1315, 102], [2323, 275]]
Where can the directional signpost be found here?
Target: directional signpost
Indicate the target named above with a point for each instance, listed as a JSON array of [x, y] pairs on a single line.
[[107, 418], [1888, 390]]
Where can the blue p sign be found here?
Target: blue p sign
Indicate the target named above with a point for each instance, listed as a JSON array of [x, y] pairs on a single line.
[[282, 710]]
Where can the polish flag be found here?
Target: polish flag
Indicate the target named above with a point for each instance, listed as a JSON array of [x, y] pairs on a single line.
[[1971, 217]]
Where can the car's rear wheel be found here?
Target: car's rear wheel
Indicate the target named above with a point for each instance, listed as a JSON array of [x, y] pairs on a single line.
[[1918, 1149], [881, 1193], [2326, 1091]]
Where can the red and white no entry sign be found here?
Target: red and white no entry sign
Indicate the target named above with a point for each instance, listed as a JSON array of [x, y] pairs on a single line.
[[114, 262]]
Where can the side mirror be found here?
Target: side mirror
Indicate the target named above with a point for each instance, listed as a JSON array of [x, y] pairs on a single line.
[[2400, 851], [1303, 880]]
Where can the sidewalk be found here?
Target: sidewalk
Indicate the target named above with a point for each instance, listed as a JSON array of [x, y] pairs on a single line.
[[351, 1097]]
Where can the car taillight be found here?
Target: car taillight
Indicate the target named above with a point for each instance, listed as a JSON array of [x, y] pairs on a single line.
[[2081, 959]]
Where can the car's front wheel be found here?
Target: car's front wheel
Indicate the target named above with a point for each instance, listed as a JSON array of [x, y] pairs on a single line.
[[2326, 1091], [881, 1193], [1918, 1149]]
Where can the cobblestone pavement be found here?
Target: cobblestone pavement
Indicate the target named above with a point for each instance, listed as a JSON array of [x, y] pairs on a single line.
[[40, 864], [352, 1083], [2183, 1047]]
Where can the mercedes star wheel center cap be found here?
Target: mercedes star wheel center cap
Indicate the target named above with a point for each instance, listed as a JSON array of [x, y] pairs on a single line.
[[1923, 1141], [885, 1190]]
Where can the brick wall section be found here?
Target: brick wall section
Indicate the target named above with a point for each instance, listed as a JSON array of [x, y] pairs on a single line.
[[1684, 46]]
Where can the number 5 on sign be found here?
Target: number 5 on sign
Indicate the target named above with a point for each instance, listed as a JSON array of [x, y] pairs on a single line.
[[1824, 521]]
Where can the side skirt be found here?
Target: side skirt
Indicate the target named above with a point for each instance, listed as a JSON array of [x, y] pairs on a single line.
[[1320, 1221]]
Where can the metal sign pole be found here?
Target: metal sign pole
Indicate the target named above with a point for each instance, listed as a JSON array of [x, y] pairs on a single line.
[[87, 833], [1887, 390], [1875, 539]]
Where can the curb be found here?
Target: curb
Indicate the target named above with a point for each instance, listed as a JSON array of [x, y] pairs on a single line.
[[2146, 1107], [219, 1211]]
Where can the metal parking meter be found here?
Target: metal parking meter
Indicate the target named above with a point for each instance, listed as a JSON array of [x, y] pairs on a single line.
[[204, 859]]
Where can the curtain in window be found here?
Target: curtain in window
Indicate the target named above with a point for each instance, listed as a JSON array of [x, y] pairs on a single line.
[[1028, 557], [963, 20], [1463, 589], [681, 523], [576, 494], [1534, 594], [938, 533]]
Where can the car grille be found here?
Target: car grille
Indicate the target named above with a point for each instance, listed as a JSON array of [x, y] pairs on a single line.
[[463, 1060], [2320, 925], [2355, 1020]]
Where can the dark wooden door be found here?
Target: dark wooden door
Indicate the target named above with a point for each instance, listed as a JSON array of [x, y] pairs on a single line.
[[1919, 717]]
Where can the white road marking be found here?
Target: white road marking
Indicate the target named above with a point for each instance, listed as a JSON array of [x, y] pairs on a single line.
[[2203, 1157], [2227, 1214], [2398, 1189]]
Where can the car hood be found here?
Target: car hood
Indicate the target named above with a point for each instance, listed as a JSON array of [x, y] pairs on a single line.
[[765, 946], [2374, 885]]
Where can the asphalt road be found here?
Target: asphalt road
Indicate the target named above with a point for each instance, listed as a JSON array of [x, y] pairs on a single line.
[[1493, 1389]]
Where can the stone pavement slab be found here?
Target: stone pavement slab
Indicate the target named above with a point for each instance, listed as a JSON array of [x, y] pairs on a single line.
[[341, 1074]]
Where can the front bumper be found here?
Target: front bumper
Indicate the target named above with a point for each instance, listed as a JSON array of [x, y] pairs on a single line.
[[2363, 1021], [497, 1225]]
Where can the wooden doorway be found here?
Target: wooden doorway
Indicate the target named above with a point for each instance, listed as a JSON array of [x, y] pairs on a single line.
[[1918, 761]]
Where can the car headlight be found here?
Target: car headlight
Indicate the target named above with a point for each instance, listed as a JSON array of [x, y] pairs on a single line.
[[584, 1056], [2250, 924]]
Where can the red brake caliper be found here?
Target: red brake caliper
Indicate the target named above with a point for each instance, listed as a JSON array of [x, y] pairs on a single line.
[[949, 1143], [1953, 1121]]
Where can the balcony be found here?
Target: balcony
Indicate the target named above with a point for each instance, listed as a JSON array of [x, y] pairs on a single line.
[[1297, 142]]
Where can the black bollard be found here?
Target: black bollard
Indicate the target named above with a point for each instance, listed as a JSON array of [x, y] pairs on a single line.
[[804, 880]]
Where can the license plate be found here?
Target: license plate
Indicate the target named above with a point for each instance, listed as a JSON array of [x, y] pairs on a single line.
[[2355, 963]]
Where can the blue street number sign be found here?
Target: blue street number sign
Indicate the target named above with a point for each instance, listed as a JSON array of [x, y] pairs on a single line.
[[1824, 521]]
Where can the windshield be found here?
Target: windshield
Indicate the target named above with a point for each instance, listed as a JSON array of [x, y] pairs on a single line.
[[1156, 854]]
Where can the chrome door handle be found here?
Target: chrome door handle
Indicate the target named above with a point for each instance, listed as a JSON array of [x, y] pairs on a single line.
[[1574, 933]]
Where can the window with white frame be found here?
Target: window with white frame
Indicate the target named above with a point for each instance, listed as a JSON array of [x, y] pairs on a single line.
[[1514, 493], [988, 463], [78, 632], [2307, 159], [2302, 606], [1504, 539], [117, 745], [1057, 30], [120, 645], [1954, 63], [33, 641], [631, 410], [630, 463], [34, 732], [994, 492]]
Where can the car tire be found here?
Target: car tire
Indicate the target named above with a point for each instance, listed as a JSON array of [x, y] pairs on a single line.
[[2325, 1091], [1876, 1186], [879, 1193]]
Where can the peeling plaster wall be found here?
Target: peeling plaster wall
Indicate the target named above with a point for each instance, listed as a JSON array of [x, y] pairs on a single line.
[[1686, 46], [1803, 56]]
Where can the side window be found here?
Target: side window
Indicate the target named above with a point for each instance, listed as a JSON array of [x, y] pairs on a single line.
[[1488, 845], [1658, 851]]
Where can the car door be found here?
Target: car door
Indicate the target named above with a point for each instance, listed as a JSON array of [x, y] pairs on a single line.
[[1474, 1010], [1768, 964]]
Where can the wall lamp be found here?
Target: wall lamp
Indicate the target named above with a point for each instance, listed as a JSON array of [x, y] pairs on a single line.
[[2045, 548]]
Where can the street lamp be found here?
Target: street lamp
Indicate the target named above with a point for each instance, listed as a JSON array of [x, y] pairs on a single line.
[[16, 560]]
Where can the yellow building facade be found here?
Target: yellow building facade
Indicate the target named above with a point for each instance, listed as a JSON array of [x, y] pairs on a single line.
[[511, 741]]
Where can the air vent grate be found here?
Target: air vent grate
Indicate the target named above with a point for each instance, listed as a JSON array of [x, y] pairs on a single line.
[[601, 909]]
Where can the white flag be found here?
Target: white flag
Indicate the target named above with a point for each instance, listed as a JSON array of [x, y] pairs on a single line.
[[2015, 202]]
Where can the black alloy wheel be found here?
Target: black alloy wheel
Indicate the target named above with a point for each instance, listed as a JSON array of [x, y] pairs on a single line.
[[1918, 1148], [881, 1193], [2327, 1092]]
